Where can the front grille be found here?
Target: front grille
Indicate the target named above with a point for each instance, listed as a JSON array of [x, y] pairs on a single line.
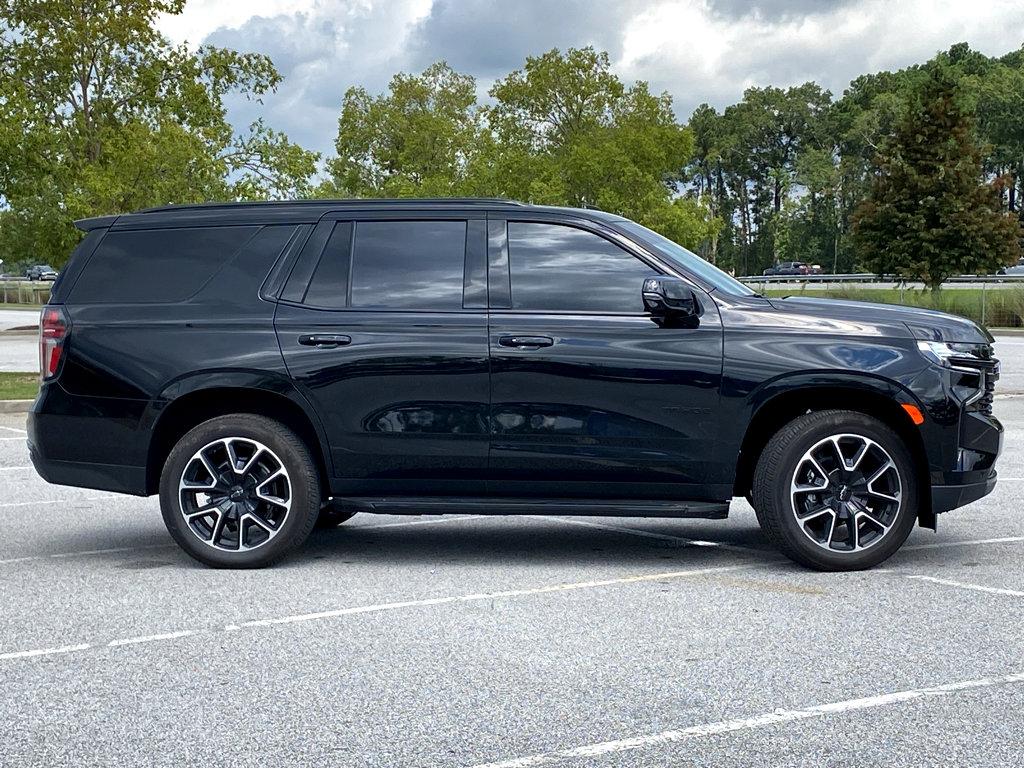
[[989, 390]]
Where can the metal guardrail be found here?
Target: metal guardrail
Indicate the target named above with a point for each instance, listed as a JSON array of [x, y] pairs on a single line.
[[864, 277]]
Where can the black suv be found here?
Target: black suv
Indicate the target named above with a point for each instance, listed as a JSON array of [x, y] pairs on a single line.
[[267, 366]]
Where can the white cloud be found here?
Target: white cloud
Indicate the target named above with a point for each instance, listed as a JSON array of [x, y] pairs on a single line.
[[697, 50], [699, 55]]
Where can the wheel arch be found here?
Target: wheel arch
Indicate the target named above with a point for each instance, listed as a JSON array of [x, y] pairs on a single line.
[[879, 399], [189, 403]]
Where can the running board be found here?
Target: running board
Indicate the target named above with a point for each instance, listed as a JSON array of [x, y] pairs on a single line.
[[653, 508]]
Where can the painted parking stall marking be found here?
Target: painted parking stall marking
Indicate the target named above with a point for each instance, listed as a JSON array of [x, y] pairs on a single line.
[[383, 607], [968, 586], [753, 722]]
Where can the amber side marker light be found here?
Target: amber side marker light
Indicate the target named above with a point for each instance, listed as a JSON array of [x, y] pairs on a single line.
[[915, 413]]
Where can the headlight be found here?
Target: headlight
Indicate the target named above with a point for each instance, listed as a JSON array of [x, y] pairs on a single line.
[[955, 355]]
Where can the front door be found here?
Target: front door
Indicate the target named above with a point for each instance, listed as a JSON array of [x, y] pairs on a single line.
[[383, 326], [589, 395]]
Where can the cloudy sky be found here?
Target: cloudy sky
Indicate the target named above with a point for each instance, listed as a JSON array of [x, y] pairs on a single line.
[[697, 50]]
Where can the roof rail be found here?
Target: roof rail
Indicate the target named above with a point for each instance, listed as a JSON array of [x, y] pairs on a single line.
[[333, 202]]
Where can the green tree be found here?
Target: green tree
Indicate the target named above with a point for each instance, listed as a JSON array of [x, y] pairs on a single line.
[[100, 113], [565, 130], [930, 214], [415, 140]]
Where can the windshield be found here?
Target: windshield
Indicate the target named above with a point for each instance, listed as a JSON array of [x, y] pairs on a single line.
[[686, 259]]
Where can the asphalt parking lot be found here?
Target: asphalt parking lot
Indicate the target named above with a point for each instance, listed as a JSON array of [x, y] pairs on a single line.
[[538, 641]]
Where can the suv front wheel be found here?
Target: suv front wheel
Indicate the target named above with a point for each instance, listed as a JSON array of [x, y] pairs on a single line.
[[240, 491], [836, 490]]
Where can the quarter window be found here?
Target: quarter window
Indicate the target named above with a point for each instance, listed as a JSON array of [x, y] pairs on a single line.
[[557, 268]]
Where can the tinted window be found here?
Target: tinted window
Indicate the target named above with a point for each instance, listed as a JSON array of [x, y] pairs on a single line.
[[408, 265], [150, 266], [329, 285], [563, 269], [685, 259]]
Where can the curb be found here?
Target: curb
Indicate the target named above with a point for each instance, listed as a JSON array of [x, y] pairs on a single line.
[[15, 407]]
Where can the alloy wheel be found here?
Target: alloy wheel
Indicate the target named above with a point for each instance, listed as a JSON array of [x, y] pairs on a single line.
[[846, 493], [235, 494]]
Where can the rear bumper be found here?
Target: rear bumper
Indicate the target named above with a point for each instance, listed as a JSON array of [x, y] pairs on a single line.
[[91, 475], [92, 443]]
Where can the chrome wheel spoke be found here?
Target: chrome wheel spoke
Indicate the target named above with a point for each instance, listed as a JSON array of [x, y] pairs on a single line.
[[880, 472], [218, 528], [831, 529], [817, 513], [865, 515], [271, 499]]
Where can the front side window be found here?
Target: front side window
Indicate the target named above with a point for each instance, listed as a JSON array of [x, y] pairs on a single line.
[[557, 268], [684, 258]]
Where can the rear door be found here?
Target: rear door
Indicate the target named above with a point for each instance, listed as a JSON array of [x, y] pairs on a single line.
[[383, 325], [590, 396]]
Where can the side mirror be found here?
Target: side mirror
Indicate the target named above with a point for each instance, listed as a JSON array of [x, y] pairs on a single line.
[[669, 297]]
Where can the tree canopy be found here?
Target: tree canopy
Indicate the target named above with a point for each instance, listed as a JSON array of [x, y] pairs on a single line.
[[564, 130], [929, 214], [100, 113]]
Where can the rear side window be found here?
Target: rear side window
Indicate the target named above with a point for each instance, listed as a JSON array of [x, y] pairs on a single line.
[[393, 265], [157, 266], [556, 268], [329, 285]]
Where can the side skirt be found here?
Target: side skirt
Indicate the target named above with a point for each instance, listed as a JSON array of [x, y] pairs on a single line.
[[655, 508]]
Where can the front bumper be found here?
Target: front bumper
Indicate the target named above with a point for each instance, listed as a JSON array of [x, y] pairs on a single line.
[[951, 497]]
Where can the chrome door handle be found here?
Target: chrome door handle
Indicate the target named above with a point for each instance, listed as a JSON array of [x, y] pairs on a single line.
[[525, 341], [325, 341]]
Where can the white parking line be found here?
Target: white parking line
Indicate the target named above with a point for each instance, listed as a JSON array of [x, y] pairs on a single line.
[[45, 652], [963, 543], [415, 523], [296, 618], [485, 596], [14, 430], [11, 469], [74, 553], [72, 500], [145, 639], [652, 534], [968, 585], [741, 724]]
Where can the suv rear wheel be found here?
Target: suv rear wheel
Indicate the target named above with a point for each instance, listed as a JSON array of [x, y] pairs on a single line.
[[240, 491], [836, 491]]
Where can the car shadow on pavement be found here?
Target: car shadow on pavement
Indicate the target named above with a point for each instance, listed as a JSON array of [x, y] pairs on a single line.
[[495, 541]]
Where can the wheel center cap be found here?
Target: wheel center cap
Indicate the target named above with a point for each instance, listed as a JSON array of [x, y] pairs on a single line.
[[237, 494], [844, 493]]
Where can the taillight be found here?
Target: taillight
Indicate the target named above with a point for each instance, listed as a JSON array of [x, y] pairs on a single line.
[[53, 332]]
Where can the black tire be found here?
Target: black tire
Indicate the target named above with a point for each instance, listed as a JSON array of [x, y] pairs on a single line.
[[774, 497], [330, 518], [303, 489]]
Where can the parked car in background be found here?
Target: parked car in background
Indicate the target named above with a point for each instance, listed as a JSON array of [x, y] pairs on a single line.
[[814, 269], [41, 272], [1015, 269], [788, 268], [269, 367]]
